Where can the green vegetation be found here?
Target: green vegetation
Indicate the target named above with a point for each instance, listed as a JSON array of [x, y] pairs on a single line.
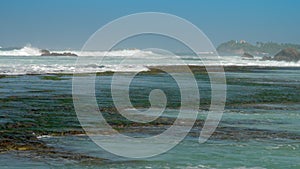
[[260, 48]]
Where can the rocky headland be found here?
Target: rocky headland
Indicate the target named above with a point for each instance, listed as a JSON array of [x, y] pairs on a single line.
[[288, 55]]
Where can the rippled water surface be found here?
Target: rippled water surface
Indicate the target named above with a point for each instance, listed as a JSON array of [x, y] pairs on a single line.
[[259, 128]]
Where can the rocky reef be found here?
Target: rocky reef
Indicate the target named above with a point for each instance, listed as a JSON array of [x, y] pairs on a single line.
[[288, 55], [45, 52]]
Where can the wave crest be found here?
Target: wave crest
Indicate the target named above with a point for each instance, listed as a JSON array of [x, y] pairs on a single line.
[[24, 51], [32, 51]]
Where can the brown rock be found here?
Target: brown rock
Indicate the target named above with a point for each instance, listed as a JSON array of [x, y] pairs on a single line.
[[288, 54]]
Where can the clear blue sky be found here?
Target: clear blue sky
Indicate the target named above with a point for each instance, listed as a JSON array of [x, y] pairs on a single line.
[[60, 24]]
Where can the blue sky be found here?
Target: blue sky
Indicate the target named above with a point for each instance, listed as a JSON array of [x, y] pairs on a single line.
[[60, 24]]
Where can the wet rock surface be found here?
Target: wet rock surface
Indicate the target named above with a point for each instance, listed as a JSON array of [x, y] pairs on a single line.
[[45, 52], [287, 55]]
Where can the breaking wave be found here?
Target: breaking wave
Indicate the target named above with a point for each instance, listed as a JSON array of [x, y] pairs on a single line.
[[24, 51], [14, 62], [32, 51]]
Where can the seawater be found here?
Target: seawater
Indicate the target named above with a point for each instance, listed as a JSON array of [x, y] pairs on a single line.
[[259, 127]]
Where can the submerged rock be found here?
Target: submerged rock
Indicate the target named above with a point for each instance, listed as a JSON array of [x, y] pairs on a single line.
[[21, 141]]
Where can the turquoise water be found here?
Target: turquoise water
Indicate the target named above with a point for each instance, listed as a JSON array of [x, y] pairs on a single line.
[[259, 127]]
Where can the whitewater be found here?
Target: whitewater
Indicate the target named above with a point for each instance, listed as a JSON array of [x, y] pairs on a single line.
[[28, 60]]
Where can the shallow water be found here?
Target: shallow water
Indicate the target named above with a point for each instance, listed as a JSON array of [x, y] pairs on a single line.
[[259, 127]]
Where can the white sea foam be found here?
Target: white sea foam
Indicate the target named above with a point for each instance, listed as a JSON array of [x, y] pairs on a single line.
[[13, 62], [32, 51], [256, 61], [116, 53], [66, 69], [43, 136], [25, 51]]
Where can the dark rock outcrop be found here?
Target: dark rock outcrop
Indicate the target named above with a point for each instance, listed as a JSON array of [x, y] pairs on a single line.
[[247, 55], [45, 52], [267, 58], [288, 54]]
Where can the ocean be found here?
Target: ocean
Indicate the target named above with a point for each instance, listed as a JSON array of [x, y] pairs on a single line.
[[39, 127]]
